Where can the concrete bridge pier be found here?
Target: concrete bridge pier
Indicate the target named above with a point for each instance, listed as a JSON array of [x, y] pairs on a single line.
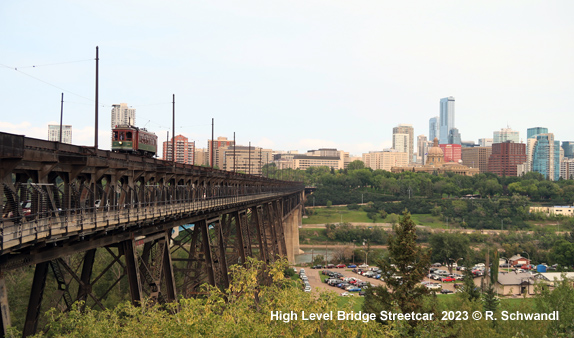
[[291, 224]]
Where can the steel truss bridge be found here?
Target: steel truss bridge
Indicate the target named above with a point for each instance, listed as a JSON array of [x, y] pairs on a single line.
[[166, 228]]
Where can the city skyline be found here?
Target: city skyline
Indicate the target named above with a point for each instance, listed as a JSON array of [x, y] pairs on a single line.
[[293, 76]]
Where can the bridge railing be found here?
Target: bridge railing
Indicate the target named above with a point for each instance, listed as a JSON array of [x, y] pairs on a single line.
[[43, 217]]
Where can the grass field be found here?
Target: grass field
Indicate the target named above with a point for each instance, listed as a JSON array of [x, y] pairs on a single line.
[[338, 214]]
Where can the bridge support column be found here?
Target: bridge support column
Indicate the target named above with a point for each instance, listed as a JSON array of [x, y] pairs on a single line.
[[291, 227], [4, 308]]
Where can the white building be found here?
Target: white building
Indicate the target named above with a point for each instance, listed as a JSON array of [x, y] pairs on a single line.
[[505, 134], [123, 115], [54, 133]]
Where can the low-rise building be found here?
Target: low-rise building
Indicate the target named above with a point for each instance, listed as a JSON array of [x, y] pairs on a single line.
[[515, 283], [556, 210]]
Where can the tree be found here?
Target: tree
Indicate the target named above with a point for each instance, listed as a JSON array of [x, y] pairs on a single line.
[[448, 247], [357, 164], [402, 279]]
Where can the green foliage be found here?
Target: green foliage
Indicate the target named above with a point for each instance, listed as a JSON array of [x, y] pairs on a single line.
[[410, 264], [560, 299], [242, 310], [448, 247], [329, 204]]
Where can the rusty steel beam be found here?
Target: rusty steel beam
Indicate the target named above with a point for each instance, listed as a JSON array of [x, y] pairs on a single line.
[[132, 269], [35, 301]]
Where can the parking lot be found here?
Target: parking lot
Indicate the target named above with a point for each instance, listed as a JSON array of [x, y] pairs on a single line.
[[314, 279]]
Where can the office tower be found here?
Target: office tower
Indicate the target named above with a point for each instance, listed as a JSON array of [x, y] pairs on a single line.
[[54, 133], [568, 147], [476, 157], [401, 143], [433, 128], [446, 118], [485, 142], [184, 150], [506, 157], [244, 159], [505, 134], [385, 159], [454, 137], [546, 156], [451, 152], [421, 148], [532, 132], [123, 115], [212, 147]]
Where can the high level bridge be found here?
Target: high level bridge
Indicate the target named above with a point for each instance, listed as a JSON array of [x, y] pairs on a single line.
[[61, 200]]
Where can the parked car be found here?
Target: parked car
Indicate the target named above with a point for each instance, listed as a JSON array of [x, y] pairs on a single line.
[[330, 266], [341, 266], [363, 266], [351, 266], [317, 267], [362, 293], [447, 279], [438, 265], [354, 289], [347, 294], [446, 291], [434, 286]]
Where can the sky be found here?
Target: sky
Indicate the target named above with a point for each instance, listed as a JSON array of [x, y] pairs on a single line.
[[288, 75]]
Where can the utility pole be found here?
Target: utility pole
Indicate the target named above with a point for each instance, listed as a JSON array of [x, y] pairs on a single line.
[[96, 123], [212, 143], [249, 158], [173, 131], [234, 152], [61, 116]]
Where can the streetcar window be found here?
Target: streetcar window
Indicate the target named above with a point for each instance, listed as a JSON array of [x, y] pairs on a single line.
[[129, 136], [121, 135], [115, 135]]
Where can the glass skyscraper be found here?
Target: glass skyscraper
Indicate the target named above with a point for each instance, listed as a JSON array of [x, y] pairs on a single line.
[[446, 118], [433, 128], [546, 156], [568, 147], [531, 132]]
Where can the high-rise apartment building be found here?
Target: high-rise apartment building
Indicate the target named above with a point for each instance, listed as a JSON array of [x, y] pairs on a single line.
[[200, 157], [123, 115], [54, 133], [212, 147], [567, 169], [506, 157], [404, 139], [184, 150], [505, 134], [433, 128], [476, 157], [422, 148], [446, 118]]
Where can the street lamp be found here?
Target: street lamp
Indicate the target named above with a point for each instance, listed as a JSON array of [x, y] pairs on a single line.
[[529, 262]]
